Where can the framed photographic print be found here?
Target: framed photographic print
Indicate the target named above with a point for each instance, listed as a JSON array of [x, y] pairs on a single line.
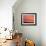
[[28, 18]]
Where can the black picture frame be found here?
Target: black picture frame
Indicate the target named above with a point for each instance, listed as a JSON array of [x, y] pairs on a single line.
[[28, 16]]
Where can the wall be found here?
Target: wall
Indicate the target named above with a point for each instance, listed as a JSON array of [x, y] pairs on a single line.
[[29, 32], [43, 22], [6, 13], [6, 16]]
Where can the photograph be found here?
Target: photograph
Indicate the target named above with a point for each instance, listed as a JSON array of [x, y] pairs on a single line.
[[28, 18]]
